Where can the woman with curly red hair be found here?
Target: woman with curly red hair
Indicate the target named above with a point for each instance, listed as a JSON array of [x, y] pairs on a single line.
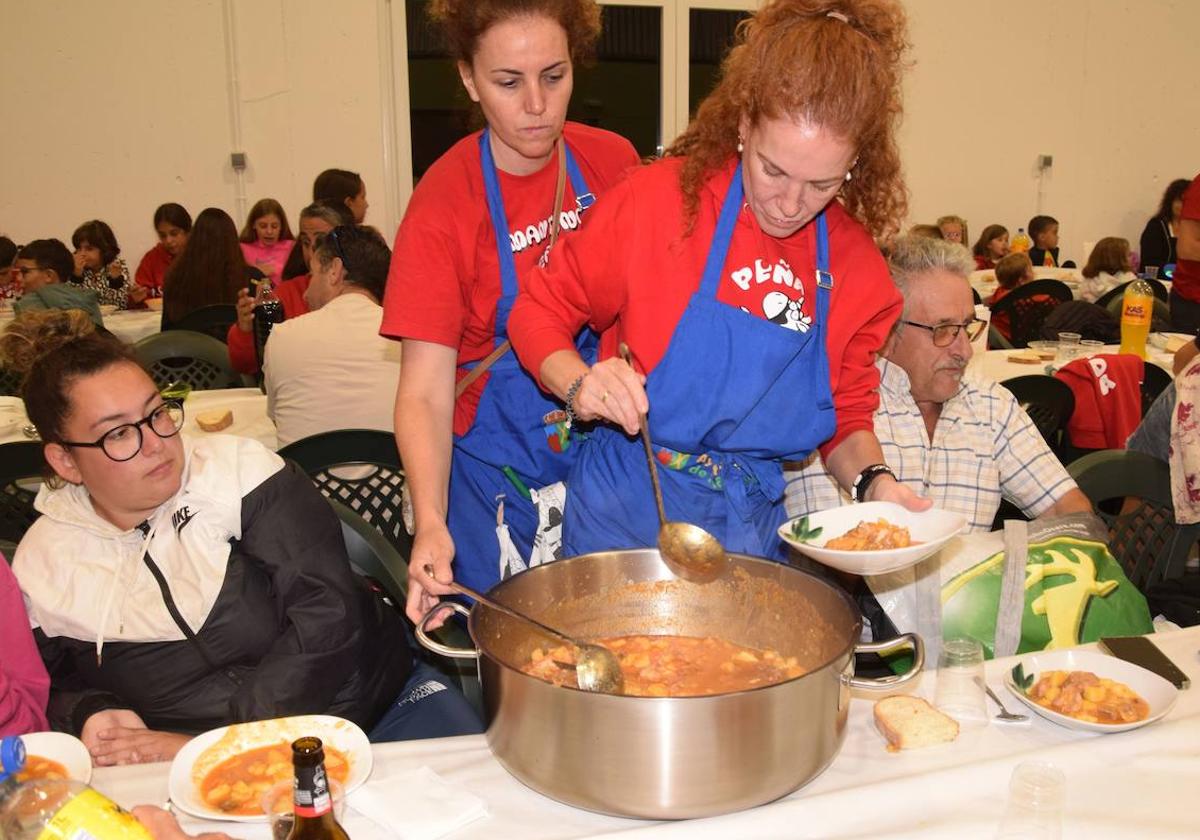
[[479, 220], [742, 273]]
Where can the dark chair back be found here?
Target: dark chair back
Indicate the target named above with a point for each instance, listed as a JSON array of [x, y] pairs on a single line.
[[1028, 306], [1131, 492], [21, 468], [975, 296], [212, 320], [1049, 402], [361, 469], [1154, 381], [10, 382], [376, 559], [188, 357], [1160, 292]]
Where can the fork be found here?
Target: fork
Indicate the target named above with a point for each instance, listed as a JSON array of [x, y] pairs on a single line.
[[1005, 714]]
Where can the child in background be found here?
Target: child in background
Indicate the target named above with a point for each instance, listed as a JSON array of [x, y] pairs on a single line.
[[954, 229], [928, 231], [991, 247], [99, 268], [172, 223], [10, 277], [1107, 267], [267, 239], [1043, 230], [1013, 271]]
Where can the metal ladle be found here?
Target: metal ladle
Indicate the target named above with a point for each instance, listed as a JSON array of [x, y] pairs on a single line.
[[596, 667], [689, 551]]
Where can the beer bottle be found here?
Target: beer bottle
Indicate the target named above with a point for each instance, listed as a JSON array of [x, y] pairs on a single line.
[[311, 799], [267, 313]]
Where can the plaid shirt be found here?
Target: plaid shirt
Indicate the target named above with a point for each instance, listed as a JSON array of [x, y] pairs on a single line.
[[984, 447]]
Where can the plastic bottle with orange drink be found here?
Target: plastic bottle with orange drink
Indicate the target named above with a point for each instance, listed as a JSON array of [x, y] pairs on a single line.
[[1021, 243], [1137, 307]]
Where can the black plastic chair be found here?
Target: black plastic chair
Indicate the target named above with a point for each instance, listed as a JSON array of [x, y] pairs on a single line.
[[996, 339], [361, 469], [21, 465], [1027, 307], [212, 320], [1131, 492], [187, 357], [975, 296], [1154, 381], [1049, 402], [1160, 292], [10, 383], [376, 559]]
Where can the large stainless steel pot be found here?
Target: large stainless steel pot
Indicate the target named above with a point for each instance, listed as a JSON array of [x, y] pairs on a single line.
[[670, 757]]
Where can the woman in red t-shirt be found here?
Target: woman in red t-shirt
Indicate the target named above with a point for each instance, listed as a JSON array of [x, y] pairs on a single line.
[[172, 223], [482, 216], [753, 301]]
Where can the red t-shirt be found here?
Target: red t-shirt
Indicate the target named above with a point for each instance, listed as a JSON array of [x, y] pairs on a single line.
[[1187, 272], [444, 280], [153, 268], [241, 344], [632, 268]]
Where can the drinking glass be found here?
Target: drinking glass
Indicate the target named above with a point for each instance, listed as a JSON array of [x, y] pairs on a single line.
[[1090, 347], [1150, 272], [1035, 802], [959, 687], [1068, 347]]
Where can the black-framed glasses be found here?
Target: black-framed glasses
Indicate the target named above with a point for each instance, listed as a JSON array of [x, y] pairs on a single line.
[[125, 441], [944, 334], [337, 245]]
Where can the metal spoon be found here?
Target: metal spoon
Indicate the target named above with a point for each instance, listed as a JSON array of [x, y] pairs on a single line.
[[688, 550], [596, 667], [1005, 714]]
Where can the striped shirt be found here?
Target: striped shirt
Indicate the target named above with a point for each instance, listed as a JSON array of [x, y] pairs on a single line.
[[984, 448]]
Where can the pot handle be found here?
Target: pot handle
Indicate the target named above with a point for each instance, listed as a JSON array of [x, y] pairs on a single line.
[[437, 647], [906, 641]]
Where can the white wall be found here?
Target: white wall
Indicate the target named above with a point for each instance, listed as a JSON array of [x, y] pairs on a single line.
[[1108, 87], [112, 108]]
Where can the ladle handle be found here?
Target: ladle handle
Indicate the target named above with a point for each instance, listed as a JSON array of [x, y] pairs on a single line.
[[650, 459], [509, 611]]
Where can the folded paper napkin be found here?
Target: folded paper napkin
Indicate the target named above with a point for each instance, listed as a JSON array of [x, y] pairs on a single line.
[[417, 805]]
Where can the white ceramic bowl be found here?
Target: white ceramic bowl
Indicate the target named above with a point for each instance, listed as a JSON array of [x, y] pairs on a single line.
[[1157, 692], [336, 732], [930, 529], [66, 749]]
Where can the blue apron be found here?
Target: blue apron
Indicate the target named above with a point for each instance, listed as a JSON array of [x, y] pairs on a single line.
[[733, 395], [516, 425]]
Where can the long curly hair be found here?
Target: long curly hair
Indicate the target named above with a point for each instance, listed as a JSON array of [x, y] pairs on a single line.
[[834, 63]]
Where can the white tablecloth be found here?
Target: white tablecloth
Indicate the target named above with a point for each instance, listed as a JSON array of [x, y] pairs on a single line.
[[249, 407], [1134, 784], [130, 325], [994, 365]]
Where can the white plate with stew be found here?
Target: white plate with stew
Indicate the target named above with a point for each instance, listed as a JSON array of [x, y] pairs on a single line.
[[1159, 694], [928, 531], [260, 746], [54, 755]]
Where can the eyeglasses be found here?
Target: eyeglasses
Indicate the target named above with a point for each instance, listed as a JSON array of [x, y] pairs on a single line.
[[337, 245], [24, 269], [125, 441], [944, 334]]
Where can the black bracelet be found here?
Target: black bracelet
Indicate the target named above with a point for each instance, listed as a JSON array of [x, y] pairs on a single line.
[[572, 393], [865, 478]]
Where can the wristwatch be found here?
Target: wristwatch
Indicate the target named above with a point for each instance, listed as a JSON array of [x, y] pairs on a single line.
[[864, 479]]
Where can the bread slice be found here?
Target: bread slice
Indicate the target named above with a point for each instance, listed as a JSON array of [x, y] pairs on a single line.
[[216, 420], [1025, 357], [910, 722]]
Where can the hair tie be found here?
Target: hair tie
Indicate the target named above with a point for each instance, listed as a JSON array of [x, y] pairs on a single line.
[[838, 15]]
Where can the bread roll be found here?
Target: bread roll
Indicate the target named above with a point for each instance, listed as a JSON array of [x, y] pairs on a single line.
[[910, 722], [216, 420]]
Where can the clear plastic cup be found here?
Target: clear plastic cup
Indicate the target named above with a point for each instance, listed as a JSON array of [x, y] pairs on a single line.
[[1090, 347], [1068, 347], [277, 805], [959, 688], [1035, 802]]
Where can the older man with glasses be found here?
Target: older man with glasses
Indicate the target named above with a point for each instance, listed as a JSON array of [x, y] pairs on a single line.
[[965, 444]]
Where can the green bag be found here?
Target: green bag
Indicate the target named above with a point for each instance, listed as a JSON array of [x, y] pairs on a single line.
[[1067, 590]]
